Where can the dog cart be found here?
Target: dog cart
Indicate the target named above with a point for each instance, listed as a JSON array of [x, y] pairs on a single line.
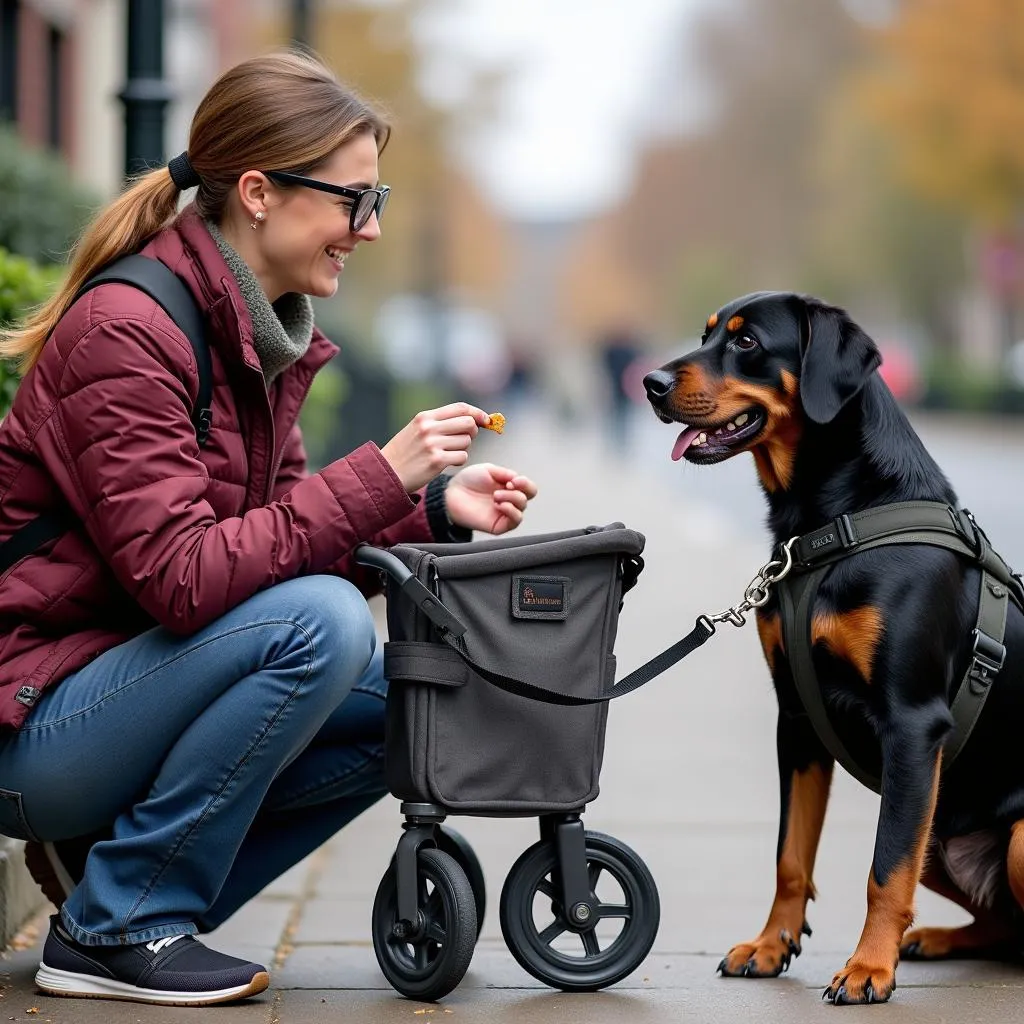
[[477, 631]]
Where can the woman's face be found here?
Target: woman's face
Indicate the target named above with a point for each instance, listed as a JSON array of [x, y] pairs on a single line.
[[305, 235]]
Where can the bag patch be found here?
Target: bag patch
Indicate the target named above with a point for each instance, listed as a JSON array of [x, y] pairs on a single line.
[[540, 597]]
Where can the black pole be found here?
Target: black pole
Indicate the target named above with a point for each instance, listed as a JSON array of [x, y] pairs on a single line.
[[146, 92], [302, 23]]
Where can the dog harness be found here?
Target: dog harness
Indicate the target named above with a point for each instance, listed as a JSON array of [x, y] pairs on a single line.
[[907, 522]]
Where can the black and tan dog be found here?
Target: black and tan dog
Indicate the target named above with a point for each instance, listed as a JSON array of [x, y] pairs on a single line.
[[793, 381]]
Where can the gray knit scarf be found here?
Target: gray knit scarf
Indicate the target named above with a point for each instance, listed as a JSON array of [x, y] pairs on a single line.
[[281, 331]]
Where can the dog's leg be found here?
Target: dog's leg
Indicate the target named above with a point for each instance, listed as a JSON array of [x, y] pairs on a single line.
[[910, 781], [805, 771], [989, 935]]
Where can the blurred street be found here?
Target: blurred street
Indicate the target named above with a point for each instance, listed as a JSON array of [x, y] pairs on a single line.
[[689, 781]]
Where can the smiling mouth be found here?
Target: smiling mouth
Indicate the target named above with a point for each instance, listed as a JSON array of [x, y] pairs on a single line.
[[713, 442]]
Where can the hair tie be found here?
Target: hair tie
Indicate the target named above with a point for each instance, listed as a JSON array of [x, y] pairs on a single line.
[[182, 173]]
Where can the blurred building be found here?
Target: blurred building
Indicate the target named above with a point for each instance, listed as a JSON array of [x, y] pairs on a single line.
[[63, 65]]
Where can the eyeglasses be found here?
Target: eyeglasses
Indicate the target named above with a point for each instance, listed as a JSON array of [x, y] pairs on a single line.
[[365, 201]]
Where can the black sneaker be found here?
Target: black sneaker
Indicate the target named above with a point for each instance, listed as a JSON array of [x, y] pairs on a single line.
[[174, 971]]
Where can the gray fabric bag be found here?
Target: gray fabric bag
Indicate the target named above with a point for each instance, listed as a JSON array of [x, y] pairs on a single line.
[[540, 615]]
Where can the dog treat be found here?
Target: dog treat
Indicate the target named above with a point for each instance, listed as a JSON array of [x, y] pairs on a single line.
[[496, 423]]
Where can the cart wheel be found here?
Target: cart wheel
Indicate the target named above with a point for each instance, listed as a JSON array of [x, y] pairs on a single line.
[[537, 931], [456, 845], [430, 961]]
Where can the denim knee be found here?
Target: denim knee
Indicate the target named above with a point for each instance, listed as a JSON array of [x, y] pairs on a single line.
[[332, 618]]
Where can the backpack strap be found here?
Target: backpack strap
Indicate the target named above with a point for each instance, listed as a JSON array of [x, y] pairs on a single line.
[[162, 285], [168, 290]]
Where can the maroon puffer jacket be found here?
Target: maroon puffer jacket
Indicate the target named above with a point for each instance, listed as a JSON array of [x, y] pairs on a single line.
[[171, 535]]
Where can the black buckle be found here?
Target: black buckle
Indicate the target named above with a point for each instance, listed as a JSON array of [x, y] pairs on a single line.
[[967, 527], [987, 659], [847, 534]]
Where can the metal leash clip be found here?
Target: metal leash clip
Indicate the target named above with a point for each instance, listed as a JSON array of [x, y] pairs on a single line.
[[759, 589]]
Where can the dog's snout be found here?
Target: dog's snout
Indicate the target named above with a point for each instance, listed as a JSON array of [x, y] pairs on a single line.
[[658, 383]]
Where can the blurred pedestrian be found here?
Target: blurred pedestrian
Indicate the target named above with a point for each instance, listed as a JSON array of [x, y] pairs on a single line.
[[191, 691], [619, 349]]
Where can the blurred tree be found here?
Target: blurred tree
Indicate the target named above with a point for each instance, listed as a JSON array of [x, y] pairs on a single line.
[[441, 234], [950, 88], [879, 245], [43, 209], [729, 207], [23, 285]]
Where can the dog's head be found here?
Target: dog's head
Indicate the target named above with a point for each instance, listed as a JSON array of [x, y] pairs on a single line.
[[768, 363]]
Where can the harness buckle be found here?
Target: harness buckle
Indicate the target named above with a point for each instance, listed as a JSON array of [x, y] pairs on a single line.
[[847, 534], [987, 657], [967, 527]]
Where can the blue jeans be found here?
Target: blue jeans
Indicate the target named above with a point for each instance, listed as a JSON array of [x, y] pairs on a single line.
[[213, 762]]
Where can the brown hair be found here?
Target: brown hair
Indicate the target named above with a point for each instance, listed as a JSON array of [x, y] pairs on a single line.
[[283, 111]]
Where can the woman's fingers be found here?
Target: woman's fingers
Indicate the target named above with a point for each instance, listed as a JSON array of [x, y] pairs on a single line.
[[457, 425], [458, 410], [511, 513], [516, 498]]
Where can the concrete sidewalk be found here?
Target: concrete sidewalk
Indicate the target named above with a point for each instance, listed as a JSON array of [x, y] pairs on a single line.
[[689, 781]]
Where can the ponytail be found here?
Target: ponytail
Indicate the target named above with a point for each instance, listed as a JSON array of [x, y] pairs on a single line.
[[121, 228]]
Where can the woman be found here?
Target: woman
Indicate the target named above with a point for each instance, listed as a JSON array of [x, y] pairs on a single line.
[[191, 693]]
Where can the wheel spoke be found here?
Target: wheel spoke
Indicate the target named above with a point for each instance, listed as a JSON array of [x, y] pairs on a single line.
[[434, 907], [614, 910], [594, 870], [421, 955], [435, 930], [590, 945], [547, 888], [552, 932]]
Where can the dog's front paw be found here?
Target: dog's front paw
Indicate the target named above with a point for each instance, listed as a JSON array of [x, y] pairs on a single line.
[[860, 982], [766, 957]]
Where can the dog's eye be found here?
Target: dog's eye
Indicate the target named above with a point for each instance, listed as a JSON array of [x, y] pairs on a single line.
[[746, 342]]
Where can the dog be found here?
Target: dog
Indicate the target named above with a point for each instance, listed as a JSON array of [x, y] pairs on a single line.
[[794, 381]]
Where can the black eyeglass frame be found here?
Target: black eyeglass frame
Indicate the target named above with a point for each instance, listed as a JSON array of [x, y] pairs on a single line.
[[381, 192]]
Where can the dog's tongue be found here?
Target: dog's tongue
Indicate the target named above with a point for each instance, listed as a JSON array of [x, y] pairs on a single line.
[[683, 442]]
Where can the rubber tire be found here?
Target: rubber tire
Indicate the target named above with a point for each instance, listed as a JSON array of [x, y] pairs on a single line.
[[458, 928], [587, 973], [456, 845]]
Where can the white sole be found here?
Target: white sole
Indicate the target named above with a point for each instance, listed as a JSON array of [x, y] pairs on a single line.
[[87, 986]]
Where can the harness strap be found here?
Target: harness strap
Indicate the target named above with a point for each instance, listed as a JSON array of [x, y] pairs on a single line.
[[900, 523], [796, 600], [987, 659], [905, 522]]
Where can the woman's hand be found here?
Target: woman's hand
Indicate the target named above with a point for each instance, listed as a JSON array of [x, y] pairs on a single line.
[[488, 498], [433, 441]]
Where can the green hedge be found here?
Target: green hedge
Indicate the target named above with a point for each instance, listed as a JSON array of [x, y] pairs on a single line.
[[23, 284], [43, 209]]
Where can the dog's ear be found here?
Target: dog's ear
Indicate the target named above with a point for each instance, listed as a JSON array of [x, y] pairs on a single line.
[[838, 359]]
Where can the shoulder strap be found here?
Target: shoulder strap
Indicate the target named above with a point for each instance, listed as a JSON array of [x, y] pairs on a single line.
[[162, 285], [701, 632]]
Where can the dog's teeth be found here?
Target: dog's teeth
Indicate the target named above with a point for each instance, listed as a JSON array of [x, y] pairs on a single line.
[[702, 439], [730, 425], [741, 419]]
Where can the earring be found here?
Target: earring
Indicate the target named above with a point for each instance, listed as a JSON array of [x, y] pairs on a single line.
[[259, 216]]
